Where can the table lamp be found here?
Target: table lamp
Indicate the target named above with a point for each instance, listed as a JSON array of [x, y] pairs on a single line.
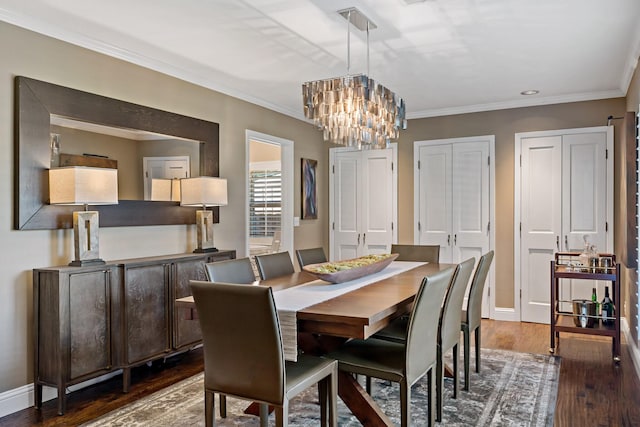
[[81, 185], [165, 190], [204, 191]]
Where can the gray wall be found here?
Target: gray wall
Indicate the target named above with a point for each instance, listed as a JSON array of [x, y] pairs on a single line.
[[32, 55]]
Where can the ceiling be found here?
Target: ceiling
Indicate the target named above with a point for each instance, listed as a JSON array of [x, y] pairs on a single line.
[[442, 56]]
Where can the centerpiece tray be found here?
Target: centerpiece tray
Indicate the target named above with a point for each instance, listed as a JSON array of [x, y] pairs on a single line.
[[343, 271]]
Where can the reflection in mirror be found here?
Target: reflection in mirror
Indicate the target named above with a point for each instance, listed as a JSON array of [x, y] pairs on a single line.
[[38, 103], [138, 155]]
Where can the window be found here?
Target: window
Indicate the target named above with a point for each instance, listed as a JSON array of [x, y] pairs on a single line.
[[265, 202]]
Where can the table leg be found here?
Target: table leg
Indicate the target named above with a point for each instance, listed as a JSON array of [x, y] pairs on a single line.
[[360, 403]]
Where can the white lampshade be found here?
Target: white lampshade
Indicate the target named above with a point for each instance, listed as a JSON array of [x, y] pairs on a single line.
[[81, 185], [165, 190], [203, 191]]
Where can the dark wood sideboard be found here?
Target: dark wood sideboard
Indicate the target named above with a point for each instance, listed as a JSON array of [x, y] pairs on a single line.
[[90, 321]]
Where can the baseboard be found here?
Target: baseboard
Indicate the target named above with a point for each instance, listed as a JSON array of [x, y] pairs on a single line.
[[21, 398], [506, 314], [632, 344]]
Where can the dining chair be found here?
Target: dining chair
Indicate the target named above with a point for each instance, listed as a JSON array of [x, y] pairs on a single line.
[[237, 320], [404, 363], [231, 271], [426, 253], [310, 256], [471, 317], [449, 330], [274, 265]]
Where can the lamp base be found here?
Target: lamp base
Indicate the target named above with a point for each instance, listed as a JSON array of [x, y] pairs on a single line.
[[86, 262], [204, 250]]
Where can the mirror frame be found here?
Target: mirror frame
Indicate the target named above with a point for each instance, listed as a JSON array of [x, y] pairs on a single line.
[[36, 101]]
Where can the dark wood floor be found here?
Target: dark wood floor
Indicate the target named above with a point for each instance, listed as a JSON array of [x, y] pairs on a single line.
[[593, 390]]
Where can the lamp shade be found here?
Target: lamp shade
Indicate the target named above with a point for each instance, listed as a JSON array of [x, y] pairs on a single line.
[[203, 191], [81, 185], [165, 190]]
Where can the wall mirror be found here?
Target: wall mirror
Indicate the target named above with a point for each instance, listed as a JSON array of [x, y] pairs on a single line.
[[95, 126]]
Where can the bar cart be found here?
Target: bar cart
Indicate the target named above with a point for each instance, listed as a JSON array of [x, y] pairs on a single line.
[[565, 266]]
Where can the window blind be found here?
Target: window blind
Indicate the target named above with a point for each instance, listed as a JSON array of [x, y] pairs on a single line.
[[265, 202]]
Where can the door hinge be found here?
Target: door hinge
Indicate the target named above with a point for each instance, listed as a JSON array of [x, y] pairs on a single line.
[[392, 226], [333, 225], [520, 160], [333, 169], [146, 174], [520, 293], [489, 291], [418, 164], [520, 229], [489, 160], [606, 153], [488, 226], [606, 226], [419, 226], [391, 166]]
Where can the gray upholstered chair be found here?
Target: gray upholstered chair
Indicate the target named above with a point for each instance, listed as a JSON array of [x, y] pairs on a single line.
[[237, 320], [449, 329], [231, 271], [406, 362], [310, 256], [426, 253], [471, 317], [274, 265]]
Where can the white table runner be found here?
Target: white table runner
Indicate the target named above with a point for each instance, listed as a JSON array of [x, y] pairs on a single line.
[[289, 301]]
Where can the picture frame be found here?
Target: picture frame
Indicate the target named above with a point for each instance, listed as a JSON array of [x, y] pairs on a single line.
[[309, 192]]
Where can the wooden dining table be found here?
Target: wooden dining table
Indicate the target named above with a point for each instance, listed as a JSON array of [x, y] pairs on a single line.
[[356, 314]]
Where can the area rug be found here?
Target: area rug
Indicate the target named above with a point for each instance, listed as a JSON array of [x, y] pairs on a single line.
[[512, 389]]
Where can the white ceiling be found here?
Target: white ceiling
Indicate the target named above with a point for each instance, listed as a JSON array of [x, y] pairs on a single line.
[[441, 56]]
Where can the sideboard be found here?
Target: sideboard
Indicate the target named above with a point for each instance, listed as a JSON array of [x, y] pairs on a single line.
[[90, 321]]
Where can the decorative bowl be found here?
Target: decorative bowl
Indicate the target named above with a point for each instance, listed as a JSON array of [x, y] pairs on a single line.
[[351, 269]]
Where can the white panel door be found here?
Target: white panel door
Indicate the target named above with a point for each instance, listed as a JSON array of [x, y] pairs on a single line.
[[346, 224], [377, 209], [584, 209], [541, 214], [434, 198]]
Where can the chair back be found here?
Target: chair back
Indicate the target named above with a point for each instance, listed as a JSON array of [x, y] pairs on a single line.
[[451, 317], [422, 331], [310, 256], [231, 271], [274, 265], [474, 304], [425, 253], [241, 338]]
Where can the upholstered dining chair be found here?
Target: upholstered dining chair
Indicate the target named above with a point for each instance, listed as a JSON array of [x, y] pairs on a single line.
[[310, 256], [406, 362], [237, 320], [472, 316], [426, 253], [231, 271], [274, 265], [449, 330]]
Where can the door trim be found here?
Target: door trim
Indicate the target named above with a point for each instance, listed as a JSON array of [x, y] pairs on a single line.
[[517, 182], [491, 140], [286, 159]]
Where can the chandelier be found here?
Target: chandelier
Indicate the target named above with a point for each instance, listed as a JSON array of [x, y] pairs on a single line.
[[354, 110]]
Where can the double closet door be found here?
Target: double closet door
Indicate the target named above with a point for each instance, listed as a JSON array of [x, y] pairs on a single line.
[[363, 202], [453, 198], [565, 192]]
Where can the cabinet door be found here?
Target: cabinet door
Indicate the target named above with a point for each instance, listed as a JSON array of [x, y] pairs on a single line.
[[89, 323], [434, 198], [186, 331], [541, 213], [146, 312]]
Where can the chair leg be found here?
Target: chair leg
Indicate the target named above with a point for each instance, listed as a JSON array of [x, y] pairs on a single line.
[[456, 357], [322, 397], [282, 414], [368, 385], [264, 414], [466, 355], [209, 403], [223, 406], [477, 332], [333, 399], [405, 401], [431, 412], [439, 385]]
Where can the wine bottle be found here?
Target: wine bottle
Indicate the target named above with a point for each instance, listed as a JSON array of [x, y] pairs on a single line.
[[594, 298], [607, 308]]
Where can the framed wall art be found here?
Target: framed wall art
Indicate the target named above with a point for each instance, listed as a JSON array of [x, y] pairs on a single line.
[[309, 200]]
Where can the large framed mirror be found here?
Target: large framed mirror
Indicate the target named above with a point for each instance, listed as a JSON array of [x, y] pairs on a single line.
[[43, 109]]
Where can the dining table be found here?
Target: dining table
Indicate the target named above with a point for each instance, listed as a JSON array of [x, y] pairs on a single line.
[[363, 309]]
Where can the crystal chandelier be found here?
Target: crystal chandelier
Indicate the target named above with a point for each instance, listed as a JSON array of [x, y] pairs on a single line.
[[354, 110]]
